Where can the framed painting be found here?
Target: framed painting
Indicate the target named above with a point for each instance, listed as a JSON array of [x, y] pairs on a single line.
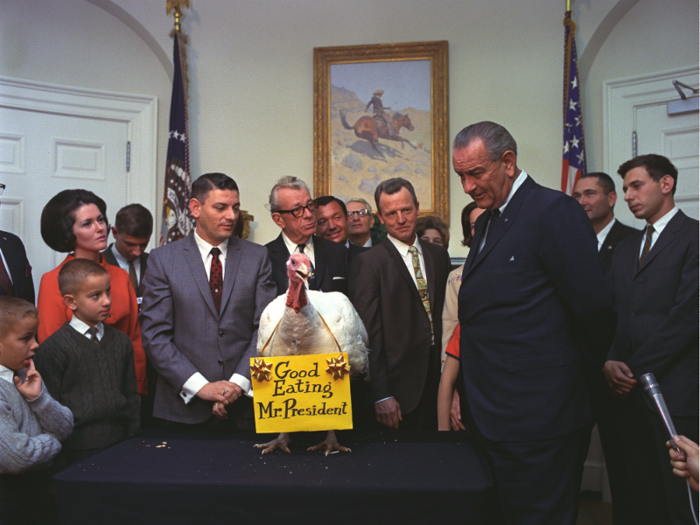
[[380, 111]]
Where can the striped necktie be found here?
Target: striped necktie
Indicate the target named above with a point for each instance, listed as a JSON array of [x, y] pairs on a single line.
[[647, 245], [422, 285]]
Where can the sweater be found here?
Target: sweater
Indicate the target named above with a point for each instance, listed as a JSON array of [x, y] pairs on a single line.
[[53, 313], [96, 380], [30, 431]]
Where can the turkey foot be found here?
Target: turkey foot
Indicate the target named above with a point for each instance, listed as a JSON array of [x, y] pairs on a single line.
[[330, 444], [280, 443]]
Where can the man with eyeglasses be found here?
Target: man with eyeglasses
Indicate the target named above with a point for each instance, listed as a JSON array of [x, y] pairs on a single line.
[[15, 270], [293, 211], [360, 221]]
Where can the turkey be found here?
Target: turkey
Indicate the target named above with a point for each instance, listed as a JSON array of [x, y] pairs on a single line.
[[305, 322]]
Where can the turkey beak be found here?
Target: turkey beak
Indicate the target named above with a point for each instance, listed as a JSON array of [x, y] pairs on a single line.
[[303, 272]]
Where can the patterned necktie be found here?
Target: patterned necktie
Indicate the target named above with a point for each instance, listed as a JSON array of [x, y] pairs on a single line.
[[647, 245], [422, 285], [134, 279], [311, 279], [216, 277], [92, 332], [5, 281]]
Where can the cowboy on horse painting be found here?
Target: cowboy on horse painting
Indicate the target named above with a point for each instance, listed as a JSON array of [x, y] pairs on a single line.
[[380, 111]]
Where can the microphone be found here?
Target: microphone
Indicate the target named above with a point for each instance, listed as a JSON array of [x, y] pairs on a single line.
[[653, 391]]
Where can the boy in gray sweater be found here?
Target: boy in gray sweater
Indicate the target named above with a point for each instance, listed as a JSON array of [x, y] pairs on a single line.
[[32, 424], [89, 366]]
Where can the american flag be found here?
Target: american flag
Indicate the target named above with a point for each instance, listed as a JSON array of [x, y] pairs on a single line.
[[177, 222], [574, 155]]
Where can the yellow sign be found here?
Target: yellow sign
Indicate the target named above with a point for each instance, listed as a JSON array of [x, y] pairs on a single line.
[[301, 393]]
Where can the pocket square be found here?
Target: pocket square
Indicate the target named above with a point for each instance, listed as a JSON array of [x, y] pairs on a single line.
[[512, 258], [338, 278]]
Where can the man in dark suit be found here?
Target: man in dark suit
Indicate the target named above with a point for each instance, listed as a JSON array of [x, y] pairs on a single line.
[[398, 289], [332, 224], [596, 193], [532, 288], [16, 272], [655, 275], [360, 222], [203, 297], [132, 231], [293, 211]]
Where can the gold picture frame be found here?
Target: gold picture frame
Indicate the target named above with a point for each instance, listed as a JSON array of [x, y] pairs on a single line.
[[354, 150]]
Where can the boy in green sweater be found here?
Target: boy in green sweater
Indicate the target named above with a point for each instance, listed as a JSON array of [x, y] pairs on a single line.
[[32, 424], [89, 366]]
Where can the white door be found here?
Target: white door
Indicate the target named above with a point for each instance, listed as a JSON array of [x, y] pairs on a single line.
[[638, 106], [54, 138]]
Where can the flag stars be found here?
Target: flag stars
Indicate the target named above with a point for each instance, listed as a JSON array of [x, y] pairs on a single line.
[[578, 121], [574, 83], [580, 157], [572, 104], [566, 147], [574, 142]]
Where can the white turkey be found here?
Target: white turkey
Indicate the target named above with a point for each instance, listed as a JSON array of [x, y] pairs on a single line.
[[305, 322]]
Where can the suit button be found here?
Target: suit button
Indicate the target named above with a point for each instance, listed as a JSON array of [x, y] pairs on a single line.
[[221, 362], [221, 333]]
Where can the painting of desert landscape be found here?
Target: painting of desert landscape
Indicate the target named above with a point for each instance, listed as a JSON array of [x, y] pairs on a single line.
[[380, 127]]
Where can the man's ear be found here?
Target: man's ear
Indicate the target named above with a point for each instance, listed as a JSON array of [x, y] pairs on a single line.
[[612, 199], [69, 301], [667, 184], [195, 208], [508, 160], [278, 220]]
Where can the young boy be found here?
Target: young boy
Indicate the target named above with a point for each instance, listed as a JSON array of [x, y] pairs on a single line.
[[32, 424], [89, 366]]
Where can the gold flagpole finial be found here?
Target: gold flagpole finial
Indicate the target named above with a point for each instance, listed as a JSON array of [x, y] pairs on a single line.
[[177, 6]]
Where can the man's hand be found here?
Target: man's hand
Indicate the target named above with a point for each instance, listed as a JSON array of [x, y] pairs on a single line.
[[685, 462], [619, 378], [388, 413], [222, 392], [456, 413], [31, 388]]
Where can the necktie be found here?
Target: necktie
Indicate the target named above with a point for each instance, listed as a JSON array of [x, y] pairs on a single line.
[[92, 332], [647, 245], [493, 217], [311, 280], [216, 277], [422, 285], [134, 279], [5, 281]]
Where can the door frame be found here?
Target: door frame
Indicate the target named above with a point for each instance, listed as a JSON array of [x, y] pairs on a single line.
[[138, 112]]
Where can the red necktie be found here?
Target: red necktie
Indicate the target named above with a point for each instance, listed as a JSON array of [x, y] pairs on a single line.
[[5, 281], [216, 277]]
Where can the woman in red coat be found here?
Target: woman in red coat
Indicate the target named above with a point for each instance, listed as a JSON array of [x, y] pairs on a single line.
[[76, 221]]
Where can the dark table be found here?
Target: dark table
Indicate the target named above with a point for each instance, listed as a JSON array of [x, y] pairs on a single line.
[[218, 477]]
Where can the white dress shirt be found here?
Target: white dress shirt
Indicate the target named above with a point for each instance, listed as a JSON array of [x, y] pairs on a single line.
[[518, 182], [659, 226], [293, 248], [602, 234], [124, 264], [83, 328]]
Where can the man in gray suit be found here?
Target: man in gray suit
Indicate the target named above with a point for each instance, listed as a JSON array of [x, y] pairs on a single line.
[[203, 297]]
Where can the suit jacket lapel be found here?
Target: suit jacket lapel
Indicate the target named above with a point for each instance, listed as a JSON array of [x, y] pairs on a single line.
[[665, 237], [199, 274], [233, 260], [401, 266], [321, 257]]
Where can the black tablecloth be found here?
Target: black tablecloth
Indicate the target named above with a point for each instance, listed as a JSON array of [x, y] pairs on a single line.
[[213, 477]]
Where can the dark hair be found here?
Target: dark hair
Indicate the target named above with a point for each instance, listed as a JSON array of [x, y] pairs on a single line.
[[325, 201], [433, 222], [134, 220], [211, 181], [12, 310], [657, 167], [467, 223], [391, 186], [74, 273], [58, 217], [604, 181], [497, 140]]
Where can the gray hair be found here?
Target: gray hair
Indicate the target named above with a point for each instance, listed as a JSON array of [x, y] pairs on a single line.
[[363, 201], [288, 181], [497, 140]]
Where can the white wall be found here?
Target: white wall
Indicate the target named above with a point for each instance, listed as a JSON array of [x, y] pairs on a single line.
[[251, 65]]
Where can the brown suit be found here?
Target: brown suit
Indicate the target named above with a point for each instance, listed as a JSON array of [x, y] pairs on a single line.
[[385, 296]]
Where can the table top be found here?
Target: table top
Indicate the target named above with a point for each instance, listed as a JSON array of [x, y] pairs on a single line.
[[175, 476]]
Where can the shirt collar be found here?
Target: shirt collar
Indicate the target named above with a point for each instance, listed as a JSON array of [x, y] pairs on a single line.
[[82, 327], [205, 247], [518, 182], [292, 247], [602, 234], [119, 257], [7, 374], [402, 247], [660, 224]]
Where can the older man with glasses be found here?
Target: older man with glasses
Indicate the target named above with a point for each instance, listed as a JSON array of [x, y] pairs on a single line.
[[293, 211], [360, 221]]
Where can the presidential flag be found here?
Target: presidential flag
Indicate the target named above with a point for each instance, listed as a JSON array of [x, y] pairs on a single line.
[[177, 222], [574, 155]]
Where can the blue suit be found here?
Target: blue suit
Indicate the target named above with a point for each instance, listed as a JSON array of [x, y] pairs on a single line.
[[533, 306]]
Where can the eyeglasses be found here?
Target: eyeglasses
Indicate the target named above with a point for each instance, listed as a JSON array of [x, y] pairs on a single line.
[[2, 188], [299, 211], [358, 213]]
